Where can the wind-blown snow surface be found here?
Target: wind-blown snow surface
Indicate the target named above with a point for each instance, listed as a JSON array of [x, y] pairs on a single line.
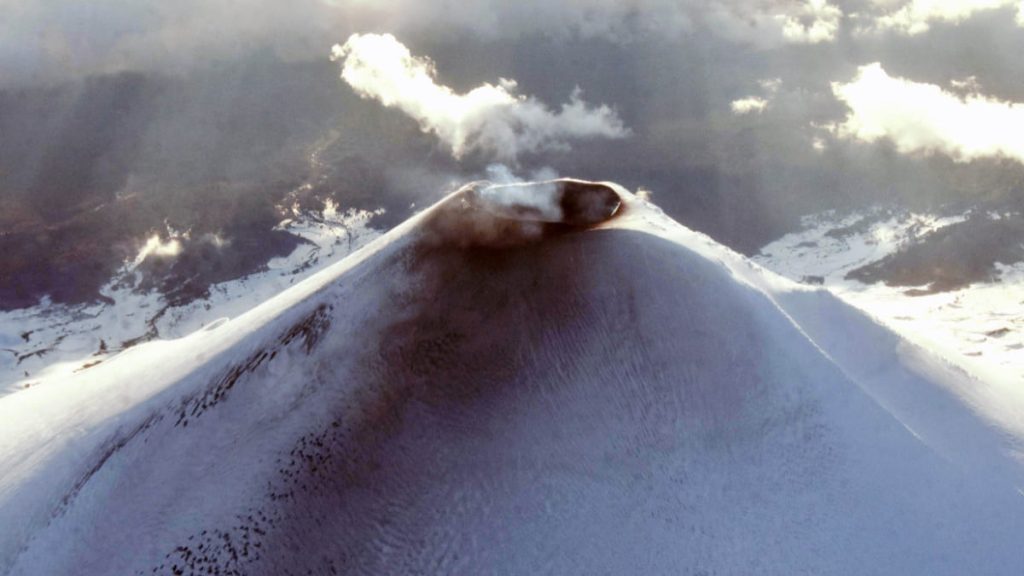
[[980, 327], [627, 399]]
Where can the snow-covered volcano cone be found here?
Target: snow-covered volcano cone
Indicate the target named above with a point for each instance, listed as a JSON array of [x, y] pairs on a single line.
[[619, 396]]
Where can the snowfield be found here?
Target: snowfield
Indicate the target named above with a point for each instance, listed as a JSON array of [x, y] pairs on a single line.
[[626, 398], [979, 327]]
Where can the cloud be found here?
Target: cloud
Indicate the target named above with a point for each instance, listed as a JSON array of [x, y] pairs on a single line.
[[610, 19], [770, 24], [748, 105], [917, 16], [770, 85], [490, 119], [924, 118], [757, 104], [766, 22], [968, 85], [53, 40], [43, 41], [815, 22]]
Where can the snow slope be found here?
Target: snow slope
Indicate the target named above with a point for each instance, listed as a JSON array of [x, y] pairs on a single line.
[[979, 327], [629, 398]]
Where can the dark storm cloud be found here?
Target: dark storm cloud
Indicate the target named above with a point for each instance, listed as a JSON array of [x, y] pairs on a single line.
[[50, 40]]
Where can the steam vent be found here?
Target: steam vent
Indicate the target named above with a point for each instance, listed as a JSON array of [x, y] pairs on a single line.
[[576, 203]]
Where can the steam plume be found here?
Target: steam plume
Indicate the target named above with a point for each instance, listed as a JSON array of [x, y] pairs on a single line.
[[490, 119]]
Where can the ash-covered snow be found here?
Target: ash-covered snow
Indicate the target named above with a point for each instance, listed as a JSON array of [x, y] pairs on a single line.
[[628, 398]]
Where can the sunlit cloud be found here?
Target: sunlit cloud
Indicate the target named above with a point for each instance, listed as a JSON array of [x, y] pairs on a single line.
[[748, 105], [917, 16], [491, 119], [771, 24], [924, 118], [751, 104]]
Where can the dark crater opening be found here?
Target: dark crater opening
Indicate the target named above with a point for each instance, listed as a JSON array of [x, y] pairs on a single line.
[[587, 203], [483, 214], [563, 201]]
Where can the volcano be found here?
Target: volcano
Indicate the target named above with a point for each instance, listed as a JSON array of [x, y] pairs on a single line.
[[545, 378]]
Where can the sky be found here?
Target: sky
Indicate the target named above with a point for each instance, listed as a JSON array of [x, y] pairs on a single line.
[[831, 46], [738, 115]]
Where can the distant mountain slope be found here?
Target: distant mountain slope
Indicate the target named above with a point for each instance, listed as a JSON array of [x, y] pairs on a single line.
[[51, 340], [948, 283], [471, 394]]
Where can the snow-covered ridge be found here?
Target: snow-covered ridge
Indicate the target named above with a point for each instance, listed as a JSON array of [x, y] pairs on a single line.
[[47, 341], [832, 245], [628, 397], [980, 326]]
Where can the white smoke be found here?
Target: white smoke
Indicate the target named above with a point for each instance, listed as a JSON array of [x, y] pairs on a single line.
[[502, 174], [490, 119], [541, 197]]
